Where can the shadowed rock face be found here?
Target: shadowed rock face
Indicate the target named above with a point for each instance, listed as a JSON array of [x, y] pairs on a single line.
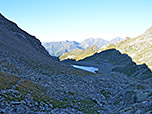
[[20, 49], [13, 36], [16, 42]]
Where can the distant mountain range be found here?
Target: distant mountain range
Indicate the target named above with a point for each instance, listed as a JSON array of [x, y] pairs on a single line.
[[58, 48], [99, 42]]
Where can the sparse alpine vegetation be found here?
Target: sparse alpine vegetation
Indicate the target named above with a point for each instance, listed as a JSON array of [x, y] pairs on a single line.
[[138, 48], [79, 54]]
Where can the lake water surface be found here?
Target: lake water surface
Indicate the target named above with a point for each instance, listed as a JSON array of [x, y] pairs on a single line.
[[90, 69]]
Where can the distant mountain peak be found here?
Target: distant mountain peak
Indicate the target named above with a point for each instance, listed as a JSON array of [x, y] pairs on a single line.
[[115, 40], [99, 42]]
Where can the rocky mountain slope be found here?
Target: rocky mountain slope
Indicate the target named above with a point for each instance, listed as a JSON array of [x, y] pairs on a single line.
[[58, 48], [126, 85], [118, 62], [79, 54], [32, 82], [21, 50], [24, 65], [138, 48]]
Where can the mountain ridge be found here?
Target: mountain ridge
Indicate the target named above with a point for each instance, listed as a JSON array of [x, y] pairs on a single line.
[[79, 54], [138, 48], [58, 48]]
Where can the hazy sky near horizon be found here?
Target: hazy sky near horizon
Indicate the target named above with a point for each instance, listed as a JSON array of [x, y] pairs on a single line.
[[59, 20]]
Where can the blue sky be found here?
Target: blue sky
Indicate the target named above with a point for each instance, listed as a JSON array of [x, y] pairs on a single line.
[[58, 20]]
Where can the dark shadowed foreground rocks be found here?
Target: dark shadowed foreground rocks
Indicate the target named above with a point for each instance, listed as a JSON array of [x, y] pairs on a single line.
[[32, 82]]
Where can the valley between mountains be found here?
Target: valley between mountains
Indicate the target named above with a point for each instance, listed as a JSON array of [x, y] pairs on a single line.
[[33, 81]]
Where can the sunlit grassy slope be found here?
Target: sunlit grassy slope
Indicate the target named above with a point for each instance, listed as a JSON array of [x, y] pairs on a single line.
[[138, 48], [79, 54]]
